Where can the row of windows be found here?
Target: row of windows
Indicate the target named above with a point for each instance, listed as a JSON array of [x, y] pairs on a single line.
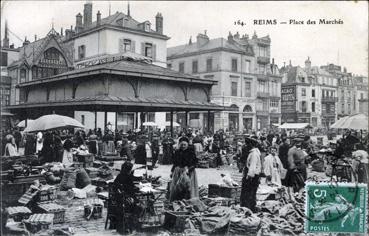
[[234, 86], [209, 66], [125, 45]]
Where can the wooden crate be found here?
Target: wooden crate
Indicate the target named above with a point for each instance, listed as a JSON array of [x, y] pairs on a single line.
[[28, 196], [221, 201], [213, 163], [39, 222], [213, 190], [53, 208], [175, 220], [47, 193], [229, 192], [18, 213], [93, 208]]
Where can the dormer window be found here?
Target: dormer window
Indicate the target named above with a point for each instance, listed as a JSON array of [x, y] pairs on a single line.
[[147, 26]]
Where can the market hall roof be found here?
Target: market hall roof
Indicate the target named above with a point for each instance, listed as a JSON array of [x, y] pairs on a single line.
[[123, 66], [129, 104]]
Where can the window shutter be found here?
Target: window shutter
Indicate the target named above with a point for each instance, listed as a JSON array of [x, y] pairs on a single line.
[[133, 46], [154, 52], [143, 49], [121, 45]]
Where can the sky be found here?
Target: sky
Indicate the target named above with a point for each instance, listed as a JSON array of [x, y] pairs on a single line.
[[343, 44]]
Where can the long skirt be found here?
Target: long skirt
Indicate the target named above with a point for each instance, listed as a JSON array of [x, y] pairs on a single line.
[[183, 185], [248, 192]]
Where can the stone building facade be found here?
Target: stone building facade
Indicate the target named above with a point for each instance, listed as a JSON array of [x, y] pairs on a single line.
[[248, 81]]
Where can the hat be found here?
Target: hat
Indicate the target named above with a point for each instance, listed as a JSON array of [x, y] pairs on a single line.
[[251, 141], [184, 139]]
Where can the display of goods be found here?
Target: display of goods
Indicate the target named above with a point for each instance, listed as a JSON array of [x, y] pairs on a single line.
[[159, 207], [69, 179], [53, 208], [29, 195], [39, 222], [82, 178], [219, 201], [47, 193], [93, 208], [175, 220], [203, 164], [85, 158], [318, 165], [78, 165], [213, 163], [18, 213], [216, 190], [92, 172]]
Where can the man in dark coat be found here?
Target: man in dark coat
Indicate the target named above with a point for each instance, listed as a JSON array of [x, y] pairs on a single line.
[[155, 149], [126, 150], [18, 137]]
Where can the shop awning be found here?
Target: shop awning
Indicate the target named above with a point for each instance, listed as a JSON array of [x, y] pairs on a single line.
[[294, 126]]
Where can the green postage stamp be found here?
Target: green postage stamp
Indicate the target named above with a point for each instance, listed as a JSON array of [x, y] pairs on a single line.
[[336, 207]]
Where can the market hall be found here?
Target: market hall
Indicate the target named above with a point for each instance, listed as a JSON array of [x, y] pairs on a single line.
[[120, 83]]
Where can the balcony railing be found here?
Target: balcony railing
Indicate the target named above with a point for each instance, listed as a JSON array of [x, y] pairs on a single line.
[[263, 60], [262, 94], [329, 99]]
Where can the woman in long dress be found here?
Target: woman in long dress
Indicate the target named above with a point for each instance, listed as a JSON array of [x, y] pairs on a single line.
[[184, 183], [67, 154]]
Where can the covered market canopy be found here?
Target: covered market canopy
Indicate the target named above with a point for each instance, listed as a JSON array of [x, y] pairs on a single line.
[[294, 126]]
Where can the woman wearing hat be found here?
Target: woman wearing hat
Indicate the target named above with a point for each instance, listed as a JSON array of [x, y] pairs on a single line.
[[184, 180], [273, 167]]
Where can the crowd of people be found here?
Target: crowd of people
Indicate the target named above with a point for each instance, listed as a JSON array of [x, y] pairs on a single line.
[[281, 158]]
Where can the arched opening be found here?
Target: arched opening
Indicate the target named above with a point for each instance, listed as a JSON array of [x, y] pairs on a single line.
[[247, 108]]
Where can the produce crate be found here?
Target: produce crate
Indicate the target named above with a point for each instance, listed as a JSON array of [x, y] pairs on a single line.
[[28, 196], [93, 208], [176, 220], [53, 208], [39, 222], [47, 193], [203, 164], [18, 213]]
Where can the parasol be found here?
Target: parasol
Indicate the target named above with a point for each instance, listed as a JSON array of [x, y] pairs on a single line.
[[175, 124], [22, 124], [49, 122], [357, 122], [149, 123]]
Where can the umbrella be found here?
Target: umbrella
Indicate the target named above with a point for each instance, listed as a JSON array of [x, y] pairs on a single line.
[[339, 122], [22, 124], [357, 122], [149, 123], [54, 121], [175, 124]]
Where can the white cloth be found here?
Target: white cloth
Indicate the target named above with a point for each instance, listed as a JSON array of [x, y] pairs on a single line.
[[148, 151], [67, 158], [39, 143], [11, 150], [273, 167], [253, 163]]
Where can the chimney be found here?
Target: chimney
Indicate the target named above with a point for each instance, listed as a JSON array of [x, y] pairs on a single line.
[[61, 31], [237, 36], [202, 39], [79, 26], [35, 37], [230, 36], [98, 18], [344, 70], [128, 10], [308, 63], [290, 63], [12, 46], [87, 15], [6, 38], [26, 42], [159, 23], [190, 41]]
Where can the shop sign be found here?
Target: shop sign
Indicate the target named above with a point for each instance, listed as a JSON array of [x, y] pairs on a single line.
[[288, 99]]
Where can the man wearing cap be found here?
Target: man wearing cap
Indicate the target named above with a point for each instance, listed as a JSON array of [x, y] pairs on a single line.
[[297, 174], [251, 177], [125, 149]]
